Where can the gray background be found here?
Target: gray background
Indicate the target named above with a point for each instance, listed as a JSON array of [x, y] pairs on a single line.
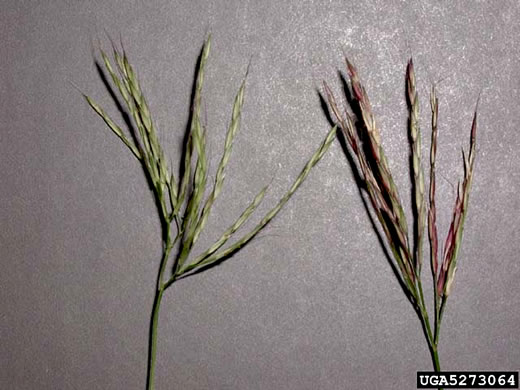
[[312, 304]]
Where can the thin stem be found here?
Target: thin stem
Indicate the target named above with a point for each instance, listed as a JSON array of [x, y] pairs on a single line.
[[152, 352], [439, 318], [177, 224], [432, 338], [435, 359], [432, 344], [424, 313], [436, 305], [168, 245], [437, 324], [153, 340]]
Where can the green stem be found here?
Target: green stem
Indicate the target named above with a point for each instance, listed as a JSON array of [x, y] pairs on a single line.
[[435, 358], [152, 349], [432, 344], [153, 340], [439, 318], [424, 314], [437, 324], [431, 337]]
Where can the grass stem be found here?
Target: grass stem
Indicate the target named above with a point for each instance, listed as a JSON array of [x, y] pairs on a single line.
[[152, 350]]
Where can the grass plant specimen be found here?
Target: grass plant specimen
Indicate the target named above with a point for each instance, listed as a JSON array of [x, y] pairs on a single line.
[[182, 206], [370, 163]]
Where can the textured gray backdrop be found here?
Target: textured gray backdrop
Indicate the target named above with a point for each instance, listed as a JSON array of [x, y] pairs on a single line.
[[311, 304]]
